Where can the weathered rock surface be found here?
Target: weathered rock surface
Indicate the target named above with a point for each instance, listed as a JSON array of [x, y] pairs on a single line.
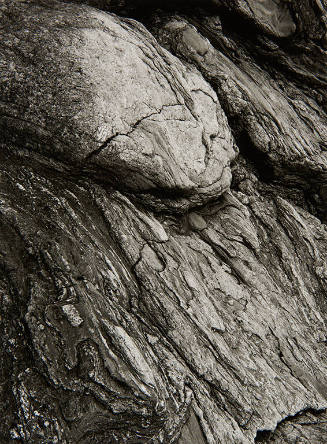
[[262, 109], [144, 297], [116, 101]]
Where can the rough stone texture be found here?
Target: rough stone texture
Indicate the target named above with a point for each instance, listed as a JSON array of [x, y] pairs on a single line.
[[116, 101], [144, 297], [262, 113]]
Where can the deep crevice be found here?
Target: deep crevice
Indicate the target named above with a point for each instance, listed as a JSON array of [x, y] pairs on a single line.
[[257, 159], [264, 435]]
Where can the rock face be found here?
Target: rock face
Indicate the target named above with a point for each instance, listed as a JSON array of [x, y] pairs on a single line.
[[163, 234], [117, 102]]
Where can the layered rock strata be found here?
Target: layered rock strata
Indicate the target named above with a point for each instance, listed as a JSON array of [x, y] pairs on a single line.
[[163, 237]]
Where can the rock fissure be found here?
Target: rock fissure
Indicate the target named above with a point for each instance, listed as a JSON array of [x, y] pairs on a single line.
[[161, 298], [268, 435], [135, 125]]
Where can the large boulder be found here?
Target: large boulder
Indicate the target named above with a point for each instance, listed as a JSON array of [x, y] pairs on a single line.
[[98, 92]]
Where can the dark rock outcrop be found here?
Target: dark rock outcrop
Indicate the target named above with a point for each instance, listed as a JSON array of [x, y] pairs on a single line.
[[163, 233]]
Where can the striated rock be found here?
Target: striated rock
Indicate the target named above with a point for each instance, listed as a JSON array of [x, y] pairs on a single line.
[[145, 296], [93, 110], [261, 109]]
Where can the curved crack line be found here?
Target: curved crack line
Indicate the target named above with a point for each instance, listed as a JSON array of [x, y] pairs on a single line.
[[107, 142]]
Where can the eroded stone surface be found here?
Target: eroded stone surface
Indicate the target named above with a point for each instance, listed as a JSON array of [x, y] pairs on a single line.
[[154, 317], [121, 323], [116, 101], [270, 117]]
